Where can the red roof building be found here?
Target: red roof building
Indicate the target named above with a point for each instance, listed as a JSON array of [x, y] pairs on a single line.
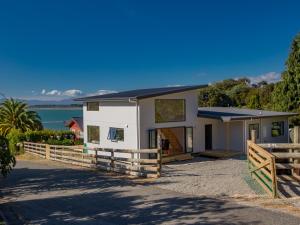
[[75, 125]]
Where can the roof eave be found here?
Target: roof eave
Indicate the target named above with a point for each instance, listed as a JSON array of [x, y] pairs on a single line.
[[106, 99], [172, 92]]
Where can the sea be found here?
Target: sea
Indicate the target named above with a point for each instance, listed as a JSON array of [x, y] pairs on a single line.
[[54, 119]]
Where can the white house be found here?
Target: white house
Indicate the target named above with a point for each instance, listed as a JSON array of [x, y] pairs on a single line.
[[169, 118]]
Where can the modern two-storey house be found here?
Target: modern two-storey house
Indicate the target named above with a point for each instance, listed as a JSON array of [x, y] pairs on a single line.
[[169, 118]]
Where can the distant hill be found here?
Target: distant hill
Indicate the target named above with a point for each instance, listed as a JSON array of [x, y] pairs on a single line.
[[65, 103]]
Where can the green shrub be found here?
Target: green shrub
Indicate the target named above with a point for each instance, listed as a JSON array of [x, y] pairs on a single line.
[[45, 135], [60, 142], [7, 159], [78, 142], [15, 138]]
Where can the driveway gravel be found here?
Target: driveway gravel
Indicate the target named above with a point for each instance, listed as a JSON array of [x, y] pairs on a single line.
[[207, 177]]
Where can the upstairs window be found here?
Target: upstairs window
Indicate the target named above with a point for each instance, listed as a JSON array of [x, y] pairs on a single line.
[[116, 134], [93, 134], [169, 110], [277, 129], [92, 106]]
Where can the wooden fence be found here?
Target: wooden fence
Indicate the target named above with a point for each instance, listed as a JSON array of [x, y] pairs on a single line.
[[35, 148], [287, 157], [262, 167], [132, 162]]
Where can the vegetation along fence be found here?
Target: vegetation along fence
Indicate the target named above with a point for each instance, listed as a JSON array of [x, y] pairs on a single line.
[[128, 161], [262, 168]]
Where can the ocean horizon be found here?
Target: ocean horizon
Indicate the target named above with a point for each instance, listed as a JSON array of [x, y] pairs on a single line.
[[54, 119]]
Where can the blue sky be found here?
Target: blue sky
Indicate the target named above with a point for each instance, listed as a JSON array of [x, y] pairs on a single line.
[[59, 49]]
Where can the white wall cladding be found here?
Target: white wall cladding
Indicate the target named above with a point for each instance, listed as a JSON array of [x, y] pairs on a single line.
[[147, 114], [113, 114]]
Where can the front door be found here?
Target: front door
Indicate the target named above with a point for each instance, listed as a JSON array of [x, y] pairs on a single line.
[[208, 137]]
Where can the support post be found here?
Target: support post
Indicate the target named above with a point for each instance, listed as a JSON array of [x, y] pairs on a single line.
[[253, 136], [47, 153], [297, 140], [227, 136]]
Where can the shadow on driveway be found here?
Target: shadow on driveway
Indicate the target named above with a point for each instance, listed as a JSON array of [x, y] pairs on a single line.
[[41, 194]]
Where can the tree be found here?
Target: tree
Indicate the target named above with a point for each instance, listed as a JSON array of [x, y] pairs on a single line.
[[286, 95], [14, 114], [7, 160], [212, 96], [265, 96], [238, 94]]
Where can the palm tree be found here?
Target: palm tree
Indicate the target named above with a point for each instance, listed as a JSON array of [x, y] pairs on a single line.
[[14, 114]]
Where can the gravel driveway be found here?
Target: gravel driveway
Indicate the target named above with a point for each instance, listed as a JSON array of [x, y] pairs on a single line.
[[207, 177], [43, 192]]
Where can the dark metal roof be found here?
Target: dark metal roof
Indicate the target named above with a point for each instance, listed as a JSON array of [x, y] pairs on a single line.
[[232, 113], [141, 93], [78, 120]]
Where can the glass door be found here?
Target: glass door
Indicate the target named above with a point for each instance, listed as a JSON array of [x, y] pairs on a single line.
[[189, 139]]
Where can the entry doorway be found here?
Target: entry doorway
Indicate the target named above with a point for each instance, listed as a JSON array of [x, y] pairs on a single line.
[[172, 140], [208, 137]]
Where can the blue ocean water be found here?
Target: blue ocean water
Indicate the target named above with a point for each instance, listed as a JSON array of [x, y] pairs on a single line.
[[54, 118]]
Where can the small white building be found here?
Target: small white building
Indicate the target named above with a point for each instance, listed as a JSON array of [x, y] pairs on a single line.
[[169, 118]]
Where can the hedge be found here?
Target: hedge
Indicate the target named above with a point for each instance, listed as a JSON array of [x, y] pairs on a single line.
[[51, 137]]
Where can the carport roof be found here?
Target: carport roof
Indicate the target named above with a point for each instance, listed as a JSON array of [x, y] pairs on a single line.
[[231, 113]]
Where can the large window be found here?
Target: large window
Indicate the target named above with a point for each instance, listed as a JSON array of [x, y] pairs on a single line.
[[116, 134], [277, 129], [92, 106], [169, 110], [254, 126], [93, 134]]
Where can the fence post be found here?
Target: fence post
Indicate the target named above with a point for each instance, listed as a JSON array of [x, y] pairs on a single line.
[[47, 155], [297, 141], [253, 136], [112, 158], [253, 139], [274, 177], [159, 161], [132, 163]]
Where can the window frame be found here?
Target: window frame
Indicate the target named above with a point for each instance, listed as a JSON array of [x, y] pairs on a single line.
[[114, 131], [88, 134], [169, 99], [92, 110], [281, 128]]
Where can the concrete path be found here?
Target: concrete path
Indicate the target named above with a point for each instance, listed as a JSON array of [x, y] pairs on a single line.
[[40, 192]]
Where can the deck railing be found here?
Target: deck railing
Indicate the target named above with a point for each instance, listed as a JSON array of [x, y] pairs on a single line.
[[128, 161], [262, 168]]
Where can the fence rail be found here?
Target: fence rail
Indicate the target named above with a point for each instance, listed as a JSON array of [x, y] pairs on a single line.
[[262, 168], [132, 162], [287, 156], [35, 148]]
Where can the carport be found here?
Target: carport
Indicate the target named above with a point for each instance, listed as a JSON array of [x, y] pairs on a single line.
[[228, 128]]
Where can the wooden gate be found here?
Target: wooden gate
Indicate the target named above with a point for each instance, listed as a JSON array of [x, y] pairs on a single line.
[[262, 168]]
